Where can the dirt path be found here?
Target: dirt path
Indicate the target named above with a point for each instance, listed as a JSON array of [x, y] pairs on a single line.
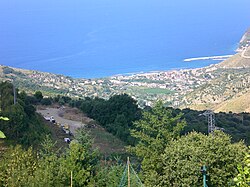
[[104, 141], [55, 113], [243, 53]]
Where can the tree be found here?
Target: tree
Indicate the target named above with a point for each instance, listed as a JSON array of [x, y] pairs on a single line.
[[116, 114], [16, 166], [48, 165], [2, 135], [80, 159], [24, 126], [109, 176], [243, 178], [17, 123], [61, 101], [46, 101], [38, 95], [154, 131], [6, 95], [183, 158]]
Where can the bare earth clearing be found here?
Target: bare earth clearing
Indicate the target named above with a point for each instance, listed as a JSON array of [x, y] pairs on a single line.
[[104, 141], [56, 113]]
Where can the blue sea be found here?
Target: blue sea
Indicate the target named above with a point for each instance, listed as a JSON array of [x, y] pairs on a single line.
[[100, 38]]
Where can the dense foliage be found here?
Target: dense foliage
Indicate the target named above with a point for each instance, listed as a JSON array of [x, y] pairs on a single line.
[[154, 131], [169, 159], [166, 153], [116, 115], [237, 125], [243, 178], [183, 158], [47, 168], [24, 126]]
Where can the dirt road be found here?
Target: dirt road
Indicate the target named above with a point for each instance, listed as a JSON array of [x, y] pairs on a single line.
[[55, 113], [243, 53]]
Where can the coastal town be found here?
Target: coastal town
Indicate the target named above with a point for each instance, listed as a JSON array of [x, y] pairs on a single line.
[[169, 86], [182, 88]]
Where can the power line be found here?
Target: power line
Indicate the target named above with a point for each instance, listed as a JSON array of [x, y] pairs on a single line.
[[211, 121]]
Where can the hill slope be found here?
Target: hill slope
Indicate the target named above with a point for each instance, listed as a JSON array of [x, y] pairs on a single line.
[[236, 61]]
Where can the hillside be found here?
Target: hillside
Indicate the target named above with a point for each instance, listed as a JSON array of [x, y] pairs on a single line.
[[236, 104], [229, 90], [236, 61], [145, 87], [230, 85], [245, 41], [201, 88]]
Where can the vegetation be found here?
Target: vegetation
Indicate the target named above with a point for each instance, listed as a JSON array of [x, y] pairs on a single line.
[[162, 142], [115, 115], [210, 87], [243, 178], [169, 159], [183, 158], [23, 126], [236, 125], [2, 135], [25, 168], [154, 131], [108, 116]]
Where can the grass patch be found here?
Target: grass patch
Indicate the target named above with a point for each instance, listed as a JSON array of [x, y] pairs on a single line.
[[106, 142]]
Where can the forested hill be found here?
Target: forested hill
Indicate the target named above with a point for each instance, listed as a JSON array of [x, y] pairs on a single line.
[[24, 125], [118, 113]]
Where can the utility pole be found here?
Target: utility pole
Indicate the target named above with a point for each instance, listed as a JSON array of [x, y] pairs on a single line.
[[14, 92], [211, 121], [128, 163], [71, 179]]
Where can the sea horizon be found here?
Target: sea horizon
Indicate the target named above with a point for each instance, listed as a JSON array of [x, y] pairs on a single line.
[[98, 39]]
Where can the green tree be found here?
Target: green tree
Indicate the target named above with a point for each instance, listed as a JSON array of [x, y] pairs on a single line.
[[49, 163], [38, 95], [154, 131], [83, 138], [183, 158], [17, 123], [61, 101], [243, 178], [6, 95], [46, 101], [2, 135], [16, 166], [24, 126], [116, 114], [80, 159], [109, 176]]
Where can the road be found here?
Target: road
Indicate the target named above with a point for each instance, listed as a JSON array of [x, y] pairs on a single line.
[[243, 53], [55, 113]]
